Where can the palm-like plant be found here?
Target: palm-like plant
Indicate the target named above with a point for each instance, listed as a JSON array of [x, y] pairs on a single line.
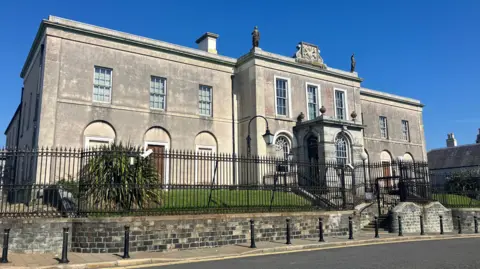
[[111, 180]]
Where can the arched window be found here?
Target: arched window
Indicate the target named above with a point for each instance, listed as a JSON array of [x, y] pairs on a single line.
[[342, 149], [282, 144]]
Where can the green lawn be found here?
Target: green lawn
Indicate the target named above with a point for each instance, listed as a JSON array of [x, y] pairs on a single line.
[[454, 200], [230, 198]]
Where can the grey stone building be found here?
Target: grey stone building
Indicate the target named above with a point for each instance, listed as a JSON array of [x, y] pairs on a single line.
[[454, 158], [85, 86]]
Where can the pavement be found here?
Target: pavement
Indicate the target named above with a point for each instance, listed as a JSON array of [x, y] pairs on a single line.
[[152, 259], [448, 254]]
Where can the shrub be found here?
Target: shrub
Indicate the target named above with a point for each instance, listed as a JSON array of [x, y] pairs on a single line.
[[110, 180]]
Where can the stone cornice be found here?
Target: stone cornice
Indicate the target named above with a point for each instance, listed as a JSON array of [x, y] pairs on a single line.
[[391, 97], [147, 43], [274, 58], [332, 122]]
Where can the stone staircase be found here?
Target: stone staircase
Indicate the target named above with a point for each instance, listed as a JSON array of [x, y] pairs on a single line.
[[383, 224]]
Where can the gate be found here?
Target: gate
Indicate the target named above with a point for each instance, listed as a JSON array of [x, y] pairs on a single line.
[[387, 192], [392, 190]]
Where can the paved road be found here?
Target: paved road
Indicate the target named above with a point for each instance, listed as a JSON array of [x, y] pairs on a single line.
[[458, 253]]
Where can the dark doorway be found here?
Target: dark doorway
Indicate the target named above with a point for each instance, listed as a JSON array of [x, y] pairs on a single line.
[[313, 166]]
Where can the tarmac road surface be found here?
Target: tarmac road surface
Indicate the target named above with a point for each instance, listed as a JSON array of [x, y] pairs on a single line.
[[435, 254]]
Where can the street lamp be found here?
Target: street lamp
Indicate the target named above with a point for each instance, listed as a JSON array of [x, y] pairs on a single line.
[[268, 136], [364, 157]]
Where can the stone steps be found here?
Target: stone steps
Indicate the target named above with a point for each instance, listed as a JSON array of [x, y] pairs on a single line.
[[383, 224]]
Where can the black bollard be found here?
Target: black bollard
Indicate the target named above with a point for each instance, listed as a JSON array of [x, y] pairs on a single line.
[[252, 234], [441, 224], [350, 228], [459, 225], [126, 240], [320, 228], [288, 232], [475, 224], [64, 258], [376, 227], [422, 232], [400, 232], [6, 235]]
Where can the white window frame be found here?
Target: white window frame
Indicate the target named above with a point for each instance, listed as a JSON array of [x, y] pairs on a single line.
[[197, 148], [96, 138], [111, 85], [345, 104], [348, 149], [407, 138], [381, 126], [289, 95], [211, 100], [284, 135], [167, 159], [165, 94], [319, 98]]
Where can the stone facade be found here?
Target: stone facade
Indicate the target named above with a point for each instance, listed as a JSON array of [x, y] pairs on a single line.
[[58, 108], [36, 235], [106, 235], [410, 214]]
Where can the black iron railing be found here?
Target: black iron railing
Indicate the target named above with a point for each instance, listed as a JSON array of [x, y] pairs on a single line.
[[119, 181]]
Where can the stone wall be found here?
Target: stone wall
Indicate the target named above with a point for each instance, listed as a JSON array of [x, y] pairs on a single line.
[[466, 218], [35, 235], [161, 233], [410, 214], [367, 213]]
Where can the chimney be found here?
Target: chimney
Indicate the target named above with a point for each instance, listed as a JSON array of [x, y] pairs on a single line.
[[208, 42], [478, 137], [451, 141]]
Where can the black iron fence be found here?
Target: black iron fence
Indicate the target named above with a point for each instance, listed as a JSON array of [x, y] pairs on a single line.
[[124, 181], [459, 189]]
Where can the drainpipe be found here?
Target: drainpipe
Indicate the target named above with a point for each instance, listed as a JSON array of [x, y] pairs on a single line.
[[233, 135]]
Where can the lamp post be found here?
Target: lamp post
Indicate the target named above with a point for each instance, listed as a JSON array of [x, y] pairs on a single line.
[[268, 137], [364, 157], [401, 183]]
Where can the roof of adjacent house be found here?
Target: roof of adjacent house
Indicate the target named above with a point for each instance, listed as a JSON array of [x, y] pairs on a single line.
[[454, 157]]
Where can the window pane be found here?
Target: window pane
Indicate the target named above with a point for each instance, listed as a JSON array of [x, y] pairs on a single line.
[[340, 104], [341, 150], [383, 127], [205, 100], [312, 101], [282, 145], [282, 96], [157, 92], [102, 84], [405, 130]]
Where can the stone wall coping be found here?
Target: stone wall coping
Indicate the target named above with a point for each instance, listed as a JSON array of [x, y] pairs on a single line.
[[435, 203], [214, 216], [465, 209], [35, 220], [429, 205]]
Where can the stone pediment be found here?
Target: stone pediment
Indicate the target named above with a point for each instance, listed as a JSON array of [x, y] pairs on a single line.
[[309, 54]]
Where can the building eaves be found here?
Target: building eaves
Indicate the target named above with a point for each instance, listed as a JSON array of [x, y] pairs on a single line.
[[126, 38], [390, 97], [288, 61]]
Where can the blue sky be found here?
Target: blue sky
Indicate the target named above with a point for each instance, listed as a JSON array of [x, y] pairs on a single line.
[[428, 50]]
